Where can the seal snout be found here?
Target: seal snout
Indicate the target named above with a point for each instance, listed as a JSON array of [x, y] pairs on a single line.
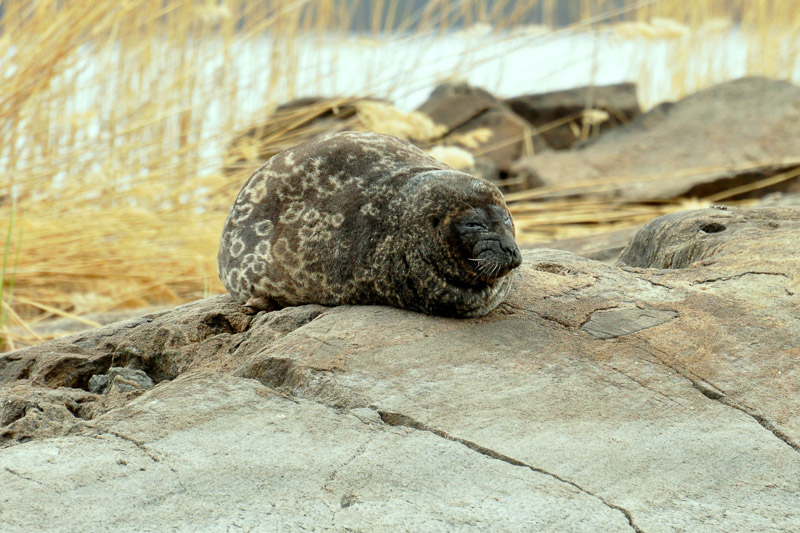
[[494, 258]]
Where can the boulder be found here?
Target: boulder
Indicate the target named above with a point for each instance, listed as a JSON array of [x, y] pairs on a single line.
[[290, 124], [455, 104], [477, 121], [735, 140], [562, 117], [307, 118], [604, 247], [505, 143], [658, 394]]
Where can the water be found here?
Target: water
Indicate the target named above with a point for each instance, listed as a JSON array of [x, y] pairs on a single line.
[[528, 60], [664, 59]]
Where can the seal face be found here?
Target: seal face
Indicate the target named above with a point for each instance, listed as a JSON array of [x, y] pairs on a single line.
[[364, 218]]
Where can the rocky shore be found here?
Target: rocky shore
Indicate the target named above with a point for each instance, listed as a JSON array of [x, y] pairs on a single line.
[[660, 393]]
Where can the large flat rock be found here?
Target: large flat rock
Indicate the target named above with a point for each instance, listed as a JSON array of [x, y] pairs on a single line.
[[728, 136], [660, 394], [208, 453]]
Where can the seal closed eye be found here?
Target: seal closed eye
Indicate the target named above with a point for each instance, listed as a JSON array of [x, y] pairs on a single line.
[[364, 218]]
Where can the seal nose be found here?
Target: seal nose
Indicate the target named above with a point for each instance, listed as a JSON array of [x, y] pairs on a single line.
[[515, 255]]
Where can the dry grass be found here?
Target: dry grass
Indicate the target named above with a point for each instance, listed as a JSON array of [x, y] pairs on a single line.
[[104, 128]]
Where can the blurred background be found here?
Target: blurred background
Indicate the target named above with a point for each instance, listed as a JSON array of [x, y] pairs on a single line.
[[128, 128]]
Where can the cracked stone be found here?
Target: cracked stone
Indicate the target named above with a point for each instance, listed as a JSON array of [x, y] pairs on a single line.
[[653, 398], [288, 450], [611, 323]]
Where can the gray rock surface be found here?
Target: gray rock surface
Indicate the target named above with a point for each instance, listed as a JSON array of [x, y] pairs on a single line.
[[719, 139], [560, 116], [661, 394], [604, 247], [120, 380], [207, 453]]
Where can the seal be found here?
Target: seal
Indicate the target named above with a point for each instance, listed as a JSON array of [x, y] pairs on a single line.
[[364, 218]]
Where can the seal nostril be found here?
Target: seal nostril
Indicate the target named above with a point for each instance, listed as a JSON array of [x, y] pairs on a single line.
[[712, 227], [517, 259]]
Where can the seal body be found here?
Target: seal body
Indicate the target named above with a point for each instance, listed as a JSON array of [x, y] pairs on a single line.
[[364, 218]]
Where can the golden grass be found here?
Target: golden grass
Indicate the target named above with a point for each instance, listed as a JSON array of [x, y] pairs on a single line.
[[103, 126]]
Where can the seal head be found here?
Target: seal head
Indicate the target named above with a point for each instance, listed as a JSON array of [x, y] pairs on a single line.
[[463, 246]]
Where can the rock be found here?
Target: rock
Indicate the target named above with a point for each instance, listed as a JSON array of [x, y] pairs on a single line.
[[613, 323], [455, 104], [161, 344], [477, 121], [256, 460], [306, 118], [623, 397], [680, 240], [290, 124], [64, 326], [98, 383], [777, 199], [729, 136], [604, 247], [506, 141], [28, 412], [487, 169], [561, 116], [120, 380]]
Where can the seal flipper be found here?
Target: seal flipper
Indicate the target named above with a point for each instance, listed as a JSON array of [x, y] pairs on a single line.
[[256, 304]]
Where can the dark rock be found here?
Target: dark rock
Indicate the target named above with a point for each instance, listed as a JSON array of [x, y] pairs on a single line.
[[455, 104], [561, 117], [290, 124], [120, 380], [729, 136], [468, 113], [98, 383], [487, 169], [503, 146], [524, 176]]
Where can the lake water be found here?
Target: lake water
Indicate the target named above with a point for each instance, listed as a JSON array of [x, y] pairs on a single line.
[[665, 60]]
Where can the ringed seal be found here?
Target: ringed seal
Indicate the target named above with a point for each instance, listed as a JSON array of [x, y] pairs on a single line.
[[364, 218]]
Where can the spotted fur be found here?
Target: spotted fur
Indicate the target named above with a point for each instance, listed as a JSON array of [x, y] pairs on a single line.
[[363, 218]]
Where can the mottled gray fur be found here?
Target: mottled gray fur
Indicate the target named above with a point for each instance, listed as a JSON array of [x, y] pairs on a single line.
[[363, 218]]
